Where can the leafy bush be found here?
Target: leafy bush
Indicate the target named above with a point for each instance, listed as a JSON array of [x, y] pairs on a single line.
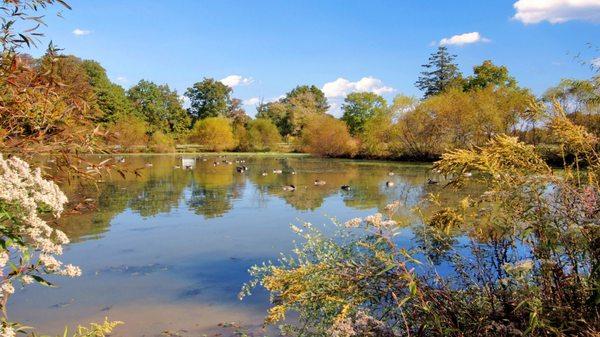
[[128, 132], [263, 135], [527, 263], [160, 142], [215, 133], [325, 135]]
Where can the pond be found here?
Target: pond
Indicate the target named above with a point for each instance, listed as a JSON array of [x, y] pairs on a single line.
[[168, 252]]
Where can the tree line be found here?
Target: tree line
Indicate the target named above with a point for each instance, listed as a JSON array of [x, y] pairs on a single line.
[[457, 111]]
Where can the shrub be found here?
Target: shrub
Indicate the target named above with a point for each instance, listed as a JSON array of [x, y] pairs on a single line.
[[128, 132], [263, 135], [327, 136], [160, 142], [527, 262], [215, 133]]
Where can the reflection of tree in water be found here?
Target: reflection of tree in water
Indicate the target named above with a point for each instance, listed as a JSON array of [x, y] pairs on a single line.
[[162, 189], [213, 189]]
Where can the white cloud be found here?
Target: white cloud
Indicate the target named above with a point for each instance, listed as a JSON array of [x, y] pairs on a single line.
[[235, 80], [463, 39], [557, 11], [121, 80], [342, 87], [252, 101], [81, 32]]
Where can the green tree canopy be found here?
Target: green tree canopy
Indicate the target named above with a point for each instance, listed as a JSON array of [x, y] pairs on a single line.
[[488, 74], [208, 98], [159, 106], [111, 98], [439, 73], [277, 112], [302, 92], [359, 107]]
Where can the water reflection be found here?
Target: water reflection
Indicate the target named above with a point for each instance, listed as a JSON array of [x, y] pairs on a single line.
[[182, 239]]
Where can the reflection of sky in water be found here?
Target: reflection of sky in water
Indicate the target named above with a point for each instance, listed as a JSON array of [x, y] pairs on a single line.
[[170, 250]]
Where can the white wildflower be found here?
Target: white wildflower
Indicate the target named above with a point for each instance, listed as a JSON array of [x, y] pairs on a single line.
[[70, 271], [7, 288], [27, 279], [7, 331], [352, 223], [296, 229]]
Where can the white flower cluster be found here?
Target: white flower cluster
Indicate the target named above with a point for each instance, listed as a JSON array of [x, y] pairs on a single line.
[[23, 193], [7, 331]]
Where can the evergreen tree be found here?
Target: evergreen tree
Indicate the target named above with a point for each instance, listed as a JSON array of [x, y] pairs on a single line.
[[440, 73]]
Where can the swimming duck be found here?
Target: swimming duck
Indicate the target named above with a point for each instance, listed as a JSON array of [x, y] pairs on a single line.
[[264, 174], [345, 187], [389, 183], [431, 182], [240, 169], [149, 165], [391, 174], [320, 182], [277, 171], [289, 188]]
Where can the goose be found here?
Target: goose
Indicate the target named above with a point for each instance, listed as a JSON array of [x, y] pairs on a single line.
[[345, 187], [289, 188], [389, 183], [431, 182], [320, 182]]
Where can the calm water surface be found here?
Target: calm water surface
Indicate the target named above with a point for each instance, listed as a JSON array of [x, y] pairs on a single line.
[[169, 251]]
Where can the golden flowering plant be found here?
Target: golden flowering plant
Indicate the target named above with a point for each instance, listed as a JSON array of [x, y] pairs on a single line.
[[521, 258], [29, 247]]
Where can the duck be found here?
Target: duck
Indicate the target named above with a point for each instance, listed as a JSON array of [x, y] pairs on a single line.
[[467, 174], [293, 172], [389, 183], [431, 182], [320, 182], [240, 169], [345, 187], [391, 174], [277, 171], [289, 188], [264, 174], [149, 165]]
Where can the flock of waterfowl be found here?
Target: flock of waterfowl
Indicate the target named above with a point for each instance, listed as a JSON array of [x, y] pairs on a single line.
[[189, 163]]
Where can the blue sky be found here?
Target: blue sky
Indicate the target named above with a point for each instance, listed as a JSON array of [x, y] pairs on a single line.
[[275, 45]]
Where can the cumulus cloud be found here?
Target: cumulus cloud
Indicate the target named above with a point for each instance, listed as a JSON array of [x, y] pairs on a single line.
[[235, 80], [81, 32], [557, 11], [463, 39], [252, 101], [342, 87]]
